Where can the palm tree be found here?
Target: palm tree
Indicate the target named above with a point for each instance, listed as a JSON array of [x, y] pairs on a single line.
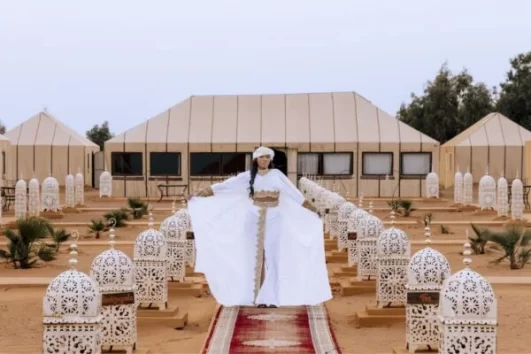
[[96, 227], [478, 242], [139, 207], [514, 242], [120, 216], [26, 246], [58, 237]]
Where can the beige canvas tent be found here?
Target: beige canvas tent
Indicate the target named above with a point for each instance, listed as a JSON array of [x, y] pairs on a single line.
[[494, 141], [5, 146], [42, 145], [339, 135]]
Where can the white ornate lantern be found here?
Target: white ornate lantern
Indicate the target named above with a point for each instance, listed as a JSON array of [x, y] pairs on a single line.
[[353, 225], [80, 189], [72, 307], [33, 198], [517, 199], [503, 197], [335, 202], [393, 251], [70, 200], [458, 188], [487, 192], [370, 229], [113, 270], [467, 313], [184, 216], [105, 184], [50, 194], [427, 270], [21, 199], [150, 254], [344, 212], [174, 230], [432, 185], [468, 183]]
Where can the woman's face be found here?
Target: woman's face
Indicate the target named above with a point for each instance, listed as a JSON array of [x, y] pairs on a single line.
[[263, 161]]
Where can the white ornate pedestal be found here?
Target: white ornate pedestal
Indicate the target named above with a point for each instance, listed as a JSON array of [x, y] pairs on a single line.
[[72, 320], [370, 229], [80, 189], [183, 215], [50, 194], [33, 197], [70, 197], [105, 184], [344, 212], [21, 201], [487, 192], [113, 270], [467, 313], [427, 270], [150, 258], [174, 230], [393, 251]]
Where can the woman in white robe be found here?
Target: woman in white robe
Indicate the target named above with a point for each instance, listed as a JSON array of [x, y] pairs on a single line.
[[256, 243]]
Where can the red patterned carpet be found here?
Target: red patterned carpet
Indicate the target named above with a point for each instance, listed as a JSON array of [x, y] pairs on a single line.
[[284, 330]]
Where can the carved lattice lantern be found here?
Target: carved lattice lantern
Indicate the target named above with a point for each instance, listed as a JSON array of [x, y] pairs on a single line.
[[370, 229], [517, 199], [393, 251], [432, 185], [468, 184], [335, 202], [467, 313], [458, 188], [33, 198], [174, 230], [21, 199], [50, 194], [183, 215], [487, 192], [345, 210], [70, 197], [105, 184], [427, 271], [150, 254], [72, 312], [113, 270], [353, 224], [502, 197], [80, 189]]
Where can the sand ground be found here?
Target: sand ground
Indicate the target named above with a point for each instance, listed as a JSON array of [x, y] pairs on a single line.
[[21, 308]]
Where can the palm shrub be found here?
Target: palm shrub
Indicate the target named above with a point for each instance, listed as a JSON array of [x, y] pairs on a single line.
[[138, 207], [394, 204], [514, 242], [119, 217], [58, 237], [479, 240], [427, 219], [96, 227], [406, 207], [27, 245]]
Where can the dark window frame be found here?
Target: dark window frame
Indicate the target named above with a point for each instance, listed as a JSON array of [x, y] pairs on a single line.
[[121, 174], [376, 175], [415, 175], [220, 162], [179, 164], [320, 163]]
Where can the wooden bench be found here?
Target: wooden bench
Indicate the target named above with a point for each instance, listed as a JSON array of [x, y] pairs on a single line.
[[165, 192]]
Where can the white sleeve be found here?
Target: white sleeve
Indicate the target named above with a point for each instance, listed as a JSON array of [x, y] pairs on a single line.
[[289, 189], [236, 184]]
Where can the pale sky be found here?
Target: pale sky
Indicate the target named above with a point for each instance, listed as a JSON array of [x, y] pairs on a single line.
[[127, 60]]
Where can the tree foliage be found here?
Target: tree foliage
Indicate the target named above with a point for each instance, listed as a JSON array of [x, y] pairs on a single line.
[[515, 95], [449, 104], [2, 128], [100, 134]]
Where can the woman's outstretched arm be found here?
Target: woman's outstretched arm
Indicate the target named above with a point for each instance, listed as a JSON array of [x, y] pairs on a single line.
[[292, 192], [236, 184]]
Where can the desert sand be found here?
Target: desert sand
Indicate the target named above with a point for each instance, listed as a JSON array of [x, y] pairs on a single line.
[[21, 308]]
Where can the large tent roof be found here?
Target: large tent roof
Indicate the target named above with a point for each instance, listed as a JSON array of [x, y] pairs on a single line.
[[44, 130], [494, 129], [276, 119]]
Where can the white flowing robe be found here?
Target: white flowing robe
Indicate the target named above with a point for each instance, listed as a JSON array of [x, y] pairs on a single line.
[[226, 227]]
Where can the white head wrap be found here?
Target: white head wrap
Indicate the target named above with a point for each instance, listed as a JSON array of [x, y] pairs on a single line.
[[263, 151]]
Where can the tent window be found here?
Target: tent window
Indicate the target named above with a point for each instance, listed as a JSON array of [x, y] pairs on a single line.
[[165, 164], [377, 164], [217, 164], [3, 164], [126, 163], [328, 164], [415, 163]]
